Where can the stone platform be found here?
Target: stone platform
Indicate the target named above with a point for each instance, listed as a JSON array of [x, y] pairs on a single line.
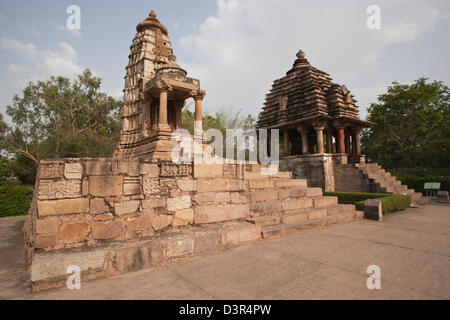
[[111, 216]]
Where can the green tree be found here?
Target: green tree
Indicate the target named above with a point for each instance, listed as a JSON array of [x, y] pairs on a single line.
[[60, 118], [412, 126]]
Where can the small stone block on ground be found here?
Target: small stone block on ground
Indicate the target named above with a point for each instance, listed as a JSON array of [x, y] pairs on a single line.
[[373, 210]]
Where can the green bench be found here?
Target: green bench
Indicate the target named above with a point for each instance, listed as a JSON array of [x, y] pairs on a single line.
[[432, 188]]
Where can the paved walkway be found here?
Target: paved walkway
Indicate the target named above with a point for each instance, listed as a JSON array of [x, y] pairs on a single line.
[[412, 248]]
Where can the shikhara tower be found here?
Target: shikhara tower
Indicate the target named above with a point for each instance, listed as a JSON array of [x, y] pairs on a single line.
[[156, 89]]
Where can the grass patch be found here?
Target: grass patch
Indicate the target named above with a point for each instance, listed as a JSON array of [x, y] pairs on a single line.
[[15, 199], [389, 202]]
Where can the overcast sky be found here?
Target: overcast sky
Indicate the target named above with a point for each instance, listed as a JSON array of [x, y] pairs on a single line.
[[235, 47]]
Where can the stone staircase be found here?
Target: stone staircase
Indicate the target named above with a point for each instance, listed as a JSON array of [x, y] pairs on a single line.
[[381, 181], [283, 206]]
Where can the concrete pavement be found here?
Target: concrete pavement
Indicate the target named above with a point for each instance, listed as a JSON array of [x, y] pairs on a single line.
[[412, 248]]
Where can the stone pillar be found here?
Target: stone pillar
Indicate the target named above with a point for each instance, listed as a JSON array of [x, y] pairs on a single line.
[[304, 133], [177, 107], [357, 142], [329, 141], [286, 143], [198, 97], [319, 133], [347, 143], [163, 109], [341, 139]]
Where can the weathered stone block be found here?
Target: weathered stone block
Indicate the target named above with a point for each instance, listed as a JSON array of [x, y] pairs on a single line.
[[104, 186], [126, 207], [150, 185], [104, 217], [85, 187], [42, 241], [212, 185], [51, 170], [314, 192], [222, 197], [47, 226], [179, 247], [267, 207], [74, 232], [266, 195], [138, 224], [210, 214], [129, 167], [206, 242], [107, 230], [60, 189], [187, 185], [208, 170], [291, 183], [294, 218], [323, 201], [238, 198], [131, 185], [443, 197], [183, 217], [97, 168], [373, 210], [48, 266], [128, 260], [239, 233], [265, 221], [73, 171], [261, 184], [204, 197], [98, 206], [317, 214], [161, 222], [149, 169], [153, 203], [295, 204], [234, 185], [298, 192], [61, 207], [179, 203]]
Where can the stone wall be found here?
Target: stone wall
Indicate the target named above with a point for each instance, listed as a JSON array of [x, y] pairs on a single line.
[[85, 207], [316, 168], [348, 179], [84, 202]]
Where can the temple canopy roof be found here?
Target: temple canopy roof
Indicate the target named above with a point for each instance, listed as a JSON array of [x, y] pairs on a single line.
[[307, 94], [151, 22]]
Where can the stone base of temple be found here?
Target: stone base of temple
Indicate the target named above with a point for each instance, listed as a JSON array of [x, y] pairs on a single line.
[[111, 216], [346, 173]]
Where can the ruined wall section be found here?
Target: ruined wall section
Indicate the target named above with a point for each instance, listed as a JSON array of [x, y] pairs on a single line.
[[317, 169], [89, 202]]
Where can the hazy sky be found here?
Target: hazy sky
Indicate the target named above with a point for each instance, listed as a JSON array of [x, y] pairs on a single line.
[[235, 47]]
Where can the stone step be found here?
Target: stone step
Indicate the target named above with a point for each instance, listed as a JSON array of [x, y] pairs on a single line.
[[324, 201], [338, 209], [265, 221], [310, 224], [265, 195]]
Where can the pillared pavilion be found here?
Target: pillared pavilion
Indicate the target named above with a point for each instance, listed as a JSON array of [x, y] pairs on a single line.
[[305, 105]]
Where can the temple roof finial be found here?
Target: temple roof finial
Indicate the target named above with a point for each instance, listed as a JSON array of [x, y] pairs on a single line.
[[300, 54], [151, 22]]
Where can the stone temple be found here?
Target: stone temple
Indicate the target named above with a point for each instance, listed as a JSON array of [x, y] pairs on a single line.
[[138, 209], [156, 89], [304, 105]]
